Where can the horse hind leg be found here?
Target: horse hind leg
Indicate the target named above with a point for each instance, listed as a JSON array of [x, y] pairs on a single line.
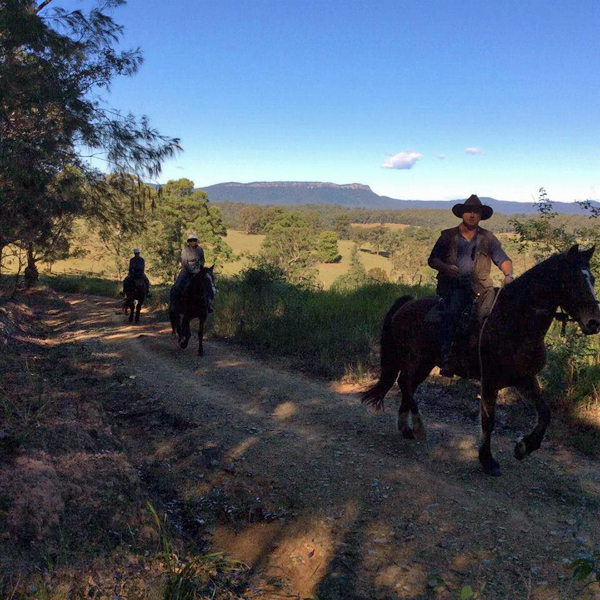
[[200, 336], [184, 333], [532, 441], [138, 308], [489, 464], [410, 422]]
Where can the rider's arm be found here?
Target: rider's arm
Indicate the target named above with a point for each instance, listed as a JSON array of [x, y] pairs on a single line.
[[501, 260], [435, 262], [507, 268], [185, 263]]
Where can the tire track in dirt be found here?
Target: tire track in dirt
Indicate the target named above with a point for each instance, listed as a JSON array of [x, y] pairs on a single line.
[[365, 514]]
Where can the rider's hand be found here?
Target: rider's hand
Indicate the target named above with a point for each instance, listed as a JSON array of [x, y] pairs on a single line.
[[508, 279], [451, 271]]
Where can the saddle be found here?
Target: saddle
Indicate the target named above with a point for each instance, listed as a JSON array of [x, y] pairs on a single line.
[[130, 284]]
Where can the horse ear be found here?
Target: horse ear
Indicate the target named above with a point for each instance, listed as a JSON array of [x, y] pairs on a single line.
[[589, 253], [573, 252]]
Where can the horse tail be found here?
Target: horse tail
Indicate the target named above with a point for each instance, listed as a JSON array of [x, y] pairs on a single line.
[[390, 363]]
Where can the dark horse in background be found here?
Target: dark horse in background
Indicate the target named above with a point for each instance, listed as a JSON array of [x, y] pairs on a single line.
[[192, 304], [510, 351], [135, 296]]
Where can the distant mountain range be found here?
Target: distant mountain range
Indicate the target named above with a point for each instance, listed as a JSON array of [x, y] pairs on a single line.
[[352, 195]]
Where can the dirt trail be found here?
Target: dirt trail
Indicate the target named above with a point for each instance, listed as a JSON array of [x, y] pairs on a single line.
[[326, 498]]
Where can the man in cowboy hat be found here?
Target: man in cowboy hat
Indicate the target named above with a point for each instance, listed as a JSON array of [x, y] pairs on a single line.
[[137, 266], [192, 261], [463, 257]]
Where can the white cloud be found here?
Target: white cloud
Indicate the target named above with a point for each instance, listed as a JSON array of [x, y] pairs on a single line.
[[402, 160], [441, 156], [473, 151]]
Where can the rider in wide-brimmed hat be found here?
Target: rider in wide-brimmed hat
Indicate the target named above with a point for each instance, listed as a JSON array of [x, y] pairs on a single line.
[[463, 257]]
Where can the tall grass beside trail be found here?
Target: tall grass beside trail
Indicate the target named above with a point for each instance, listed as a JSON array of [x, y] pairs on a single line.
[[79, 284], [571, 379], [325, 332]]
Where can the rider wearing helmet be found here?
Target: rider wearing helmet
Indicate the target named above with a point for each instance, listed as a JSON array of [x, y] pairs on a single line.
[[192, 261], [137, 267]]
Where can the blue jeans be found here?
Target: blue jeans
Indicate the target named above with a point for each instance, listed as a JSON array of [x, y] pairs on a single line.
[[454, 303]]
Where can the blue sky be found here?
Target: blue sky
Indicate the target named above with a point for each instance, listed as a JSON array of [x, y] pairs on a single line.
[[418, 99]]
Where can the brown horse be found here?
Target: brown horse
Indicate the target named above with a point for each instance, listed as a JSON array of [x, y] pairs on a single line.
[[192, 304], [510, 350]]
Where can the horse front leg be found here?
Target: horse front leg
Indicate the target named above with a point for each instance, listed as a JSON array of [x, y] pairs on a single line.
[[131, 307], [488, 408], [138, 308], [531, 390], [185, 333], [200, 336]]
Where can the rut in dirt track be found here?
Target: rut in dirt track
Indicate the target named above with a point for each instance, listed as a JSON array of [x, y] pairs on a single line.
[[367, 514]]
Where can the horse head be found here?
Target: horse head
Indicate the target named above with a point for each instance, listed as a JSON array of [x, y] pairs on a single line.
[[578, 297], [201, 281]]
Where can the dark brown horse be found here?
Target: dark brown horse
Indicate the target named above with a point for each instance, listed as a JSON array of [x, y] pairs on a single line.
[[510, 351], [135, 296], [192, 304]]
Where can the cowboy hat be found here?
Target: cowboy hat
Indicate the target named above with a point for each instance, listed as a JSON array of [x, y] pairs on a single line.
[[473, 202]]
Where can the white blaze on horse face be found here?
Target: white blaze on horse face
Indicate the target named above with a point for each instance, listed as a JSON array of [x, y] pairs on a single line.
[[588, 278]]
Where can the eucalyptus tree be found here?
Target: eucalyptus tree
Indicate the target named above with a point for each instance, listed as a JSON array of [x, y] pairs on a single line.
[[56, 128]]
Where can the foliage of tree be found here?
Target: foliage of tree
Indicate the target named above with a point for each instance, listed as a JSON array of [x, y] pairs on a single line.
[[131, 210], [341, 225], [378, 275], [356, 275], [327, 247], [251, 219], [181, 211], [54, 65], [543, 235], [549, 233], [289, 246]]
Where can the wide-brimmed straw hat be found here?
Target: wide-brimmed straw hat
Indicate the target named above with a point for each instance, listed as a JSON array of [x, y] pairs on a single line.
[[473, 202]]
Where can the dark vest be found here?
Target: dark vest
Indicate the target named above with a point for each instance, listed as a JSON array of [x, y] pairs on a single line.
[[482, 265]]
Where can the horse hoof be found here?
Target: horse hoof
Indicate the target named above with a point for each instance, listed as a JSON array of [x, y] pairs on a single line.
[[183, 344], [408, 434], [520, 450], [492, 468], [419, 428]]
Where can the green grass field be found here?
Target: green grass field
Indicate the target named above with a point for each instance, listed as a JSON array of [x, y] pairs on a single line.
[[99, 264]]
